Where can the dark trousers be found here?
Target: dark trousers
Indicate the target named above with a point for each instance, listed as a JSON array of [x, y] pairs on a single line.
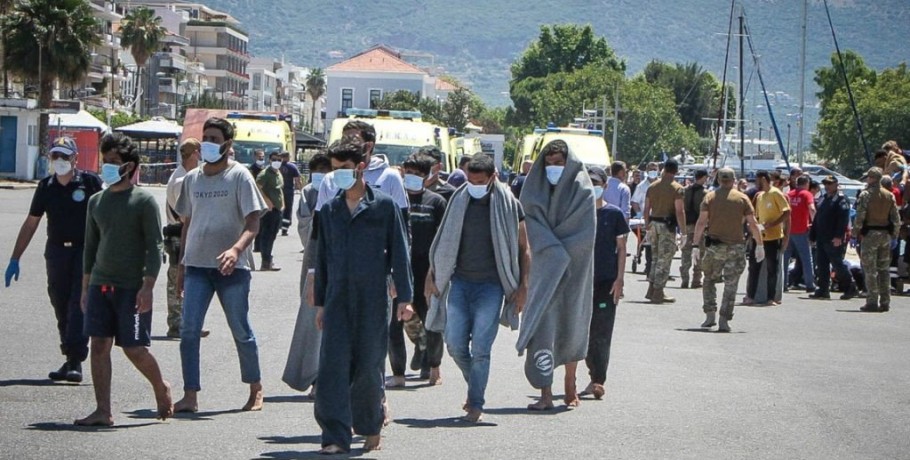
[[64, 287], [601, 334], [433, 354], [398, 351], [288, 208], [269, 224], [351, 366], [772, 262], [828, 256]]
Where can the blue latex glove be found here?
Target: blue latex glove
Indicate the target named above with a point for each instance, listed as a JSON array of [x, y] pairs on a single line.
[[12, 270]]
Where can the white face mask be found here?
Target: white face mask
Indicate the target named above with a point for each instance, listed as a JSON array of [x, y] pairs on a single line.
[[276, 165], [652, 175], [413, 182], [598, 192], [260, 162], [478, 191], [554, 173], [62, 167]]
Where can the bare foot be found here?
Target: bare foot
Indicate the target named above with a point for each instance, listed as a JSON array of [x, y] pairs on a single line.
[[96, 418], [372, 443], [465, 407], [332, 449], [473, 416], [435, 376], [187, 405], [598, 391], [541, 405], [165, 402], [386, 413], [255, 401], [571, 397]]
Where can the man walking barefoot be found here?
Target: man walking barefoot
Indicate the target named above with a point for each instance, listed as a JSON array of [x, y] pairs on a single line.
[[121, 262]]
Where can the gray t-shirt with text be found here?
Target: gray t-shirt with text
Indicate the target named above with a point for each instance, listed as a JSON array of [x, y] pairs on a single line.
[[218, 206]]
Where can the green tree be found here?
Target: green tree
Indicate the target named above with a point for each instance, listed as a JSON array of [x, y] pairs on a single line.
[[549, 62], [649, 124], [831, 79], [315, 88], [399, 100], [883, 103], [141, 31], [560, 97], [459, 108], [696, 92], [49, 40]]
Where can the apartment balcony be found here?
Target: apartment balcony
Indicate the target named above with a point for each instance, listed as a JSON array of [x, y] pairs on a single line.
[[167, 85], [172, 61]]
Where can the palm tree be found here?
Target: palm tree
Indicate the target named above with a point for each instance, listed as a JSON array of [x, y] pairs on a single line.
[[141, 31], [315, 87], [49, 40]]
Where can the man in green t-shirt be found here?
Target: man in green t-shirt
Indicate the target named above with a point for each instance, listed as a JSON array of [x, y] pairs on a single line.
[[120, 265], [270, 184]]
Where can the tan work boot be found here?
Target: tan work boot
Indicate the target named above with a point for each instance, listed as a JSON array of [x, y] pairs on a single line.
[[658, 296], [710, 319]]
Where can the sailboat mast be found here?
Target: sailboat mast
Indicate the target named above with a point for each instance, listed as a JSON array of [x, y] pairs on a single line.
[[742, 100], [802, 87]]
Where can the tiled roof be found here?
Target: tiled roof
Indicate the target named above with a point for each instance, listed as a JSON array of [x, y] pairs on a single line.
[[376, 59], [442, 85]]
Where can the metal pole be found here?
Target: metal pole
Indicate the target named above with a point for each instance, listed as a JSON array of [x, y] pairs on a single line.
[[788, 140], [615, 119], [802, 87]]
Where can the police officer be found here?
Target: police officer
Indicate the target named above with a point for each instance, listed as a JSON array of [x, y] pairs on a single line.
[[723, 212], [692, 199], [63, 196], [877, 224], [829, 233], [663, 212]]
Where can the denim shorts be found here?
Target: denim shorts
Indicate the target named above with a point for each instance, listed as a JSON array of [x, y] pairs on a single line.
[[112, 312]]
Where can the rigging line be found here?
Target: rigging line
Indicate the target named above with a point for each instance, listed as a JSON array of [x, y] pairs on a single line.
[[723, 85], [843, 68], [761, 81]]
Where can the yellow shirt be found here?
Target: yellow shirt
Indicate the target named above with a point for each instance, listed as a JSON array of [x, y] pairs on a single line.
[[770, 206]]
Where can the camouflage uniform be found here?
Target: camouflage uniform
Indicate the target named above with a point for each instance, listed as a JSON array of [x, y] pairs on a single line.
[[663, 243], [687, 259], [174, 304], [722, 262], [876, 209]]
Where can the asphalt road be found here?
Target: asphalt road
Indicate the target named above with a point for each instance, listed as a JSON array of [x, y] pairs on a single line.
[[808, 379]]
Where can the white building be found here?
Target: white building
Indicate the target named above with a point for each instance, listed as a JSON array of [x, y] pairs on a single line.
[[262, 95]]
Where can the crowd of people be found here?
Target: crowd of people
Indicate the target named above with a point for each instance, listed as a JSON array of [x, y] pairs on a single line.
[[394, 252]]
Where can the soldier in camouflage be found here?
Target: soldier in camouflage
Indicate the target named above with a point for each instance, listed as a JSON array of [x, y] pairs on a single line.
[[877, 224], [720, 222], [692, 198], [664, 212]]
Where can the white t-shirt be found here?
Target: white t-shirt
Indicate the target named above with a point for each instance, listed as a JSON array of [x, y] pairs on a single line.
[[174, 185], [640, 194], [378, 176], [218, 206]]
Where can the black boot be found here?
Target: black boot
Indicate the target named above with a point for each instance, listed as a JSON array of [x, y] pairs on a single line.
[[60, 374], [75, 373]]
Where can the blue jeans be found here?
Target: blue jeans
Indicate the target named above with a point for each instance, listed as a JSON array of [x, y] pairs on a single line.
[[471, 326], [200, 285], [799, 244]]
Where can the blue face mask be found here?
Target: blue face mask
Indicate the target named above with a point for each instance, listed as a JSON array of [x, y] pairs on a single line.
[[211, 152], [413, 182], [554, 173], [110, 174], [598, 192], [344, 178], [316, 179]]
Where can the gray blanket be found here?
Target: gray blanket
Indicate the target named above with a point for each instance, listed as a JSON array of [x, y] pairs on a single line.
[[561, 224], [444, 252], [303, 356]]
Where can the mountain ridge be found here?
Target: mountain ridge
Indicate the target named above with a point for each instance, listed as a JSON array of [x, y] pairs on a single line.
[[476, 41]]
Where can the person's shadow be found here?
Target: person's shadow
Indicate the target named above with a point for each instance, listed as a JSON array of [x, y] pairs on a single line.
[[33, 383]]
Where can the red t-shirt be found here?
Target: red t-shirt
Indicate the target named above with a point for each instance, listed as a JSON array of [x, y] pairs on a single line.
[[898, 196], [799, 210]]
